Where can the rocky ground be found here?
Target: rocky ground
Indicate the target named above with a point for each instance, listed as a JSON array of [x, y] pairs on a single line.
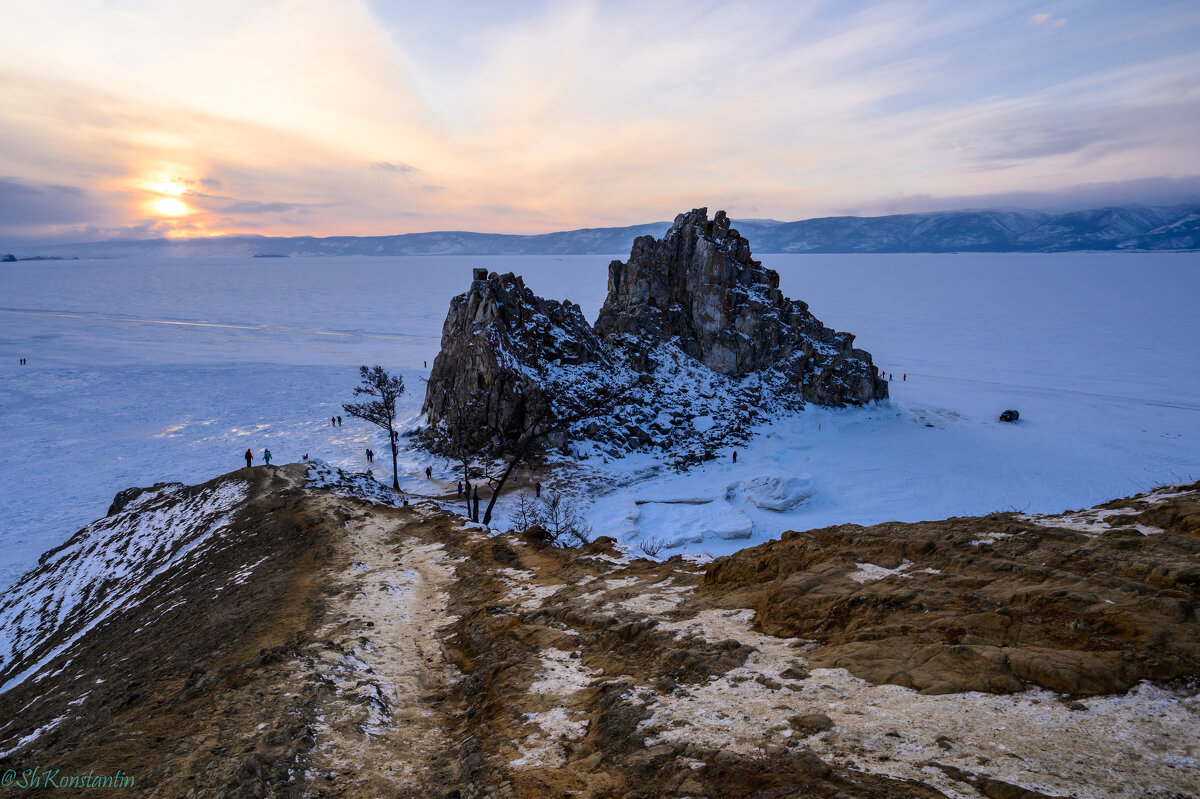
[[322, 642]]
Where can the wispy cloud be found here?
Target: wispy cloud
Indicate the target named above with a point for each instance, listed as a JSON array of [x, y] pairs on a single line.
[[388, 166], [1047, 21], [574, 114]]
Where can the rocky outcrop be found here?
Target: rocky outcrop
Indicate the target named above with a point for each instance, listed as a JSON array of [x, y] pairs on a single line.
[[694, 335], [499, 343], [699, 287], [1083, 603]]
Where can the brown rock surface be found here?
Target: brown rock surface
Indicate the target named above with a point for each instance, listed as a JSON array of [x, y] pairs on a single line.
[[994, 603]]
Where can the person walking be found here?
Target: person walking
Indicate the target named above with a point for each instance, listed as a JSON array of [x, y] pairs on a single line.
[[537, 489], [475, 511], [735, 456], [905, 380], [339, 421], [267, 456], [370, 456], [249, 458], [333, 421], [460, 488], [428, 472]]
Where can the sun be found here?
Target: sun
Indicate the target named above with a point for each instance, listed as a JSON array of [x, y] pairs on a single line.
[[169, 206]]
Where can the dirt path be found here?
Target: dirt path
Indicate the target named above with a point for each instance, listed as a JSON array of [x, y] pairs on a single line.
[[380, 653]]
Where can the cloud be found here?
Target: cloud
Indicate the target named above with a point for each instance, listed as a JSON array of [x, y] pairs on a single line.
[[254, 207], [1047, 21], [388, 166], [1161, 190], [580, 113], [24, 204]]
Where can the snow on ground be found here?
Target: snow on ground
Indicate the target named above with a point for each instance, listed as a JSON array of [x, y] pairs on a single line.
[[1134, 741], [142, 371], [98, 572]]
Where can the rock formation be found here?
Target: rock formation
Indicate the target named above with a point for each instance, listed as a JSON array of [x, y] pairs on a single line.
[[701, 324], [699, 287], [498, 343]]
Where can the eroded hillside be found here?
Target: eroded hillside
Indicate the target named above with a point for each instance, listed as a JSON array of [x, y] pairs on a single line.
[[309, 638]]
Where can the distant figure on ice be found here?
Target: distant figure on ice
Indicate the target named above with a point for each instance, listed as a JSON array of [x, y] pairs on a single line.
[[370, 456], [249, 457], [735, 456], [306, 456], [339, 421], [426, 364], [905, 378], [537, 489], [333, 421], [428, 472], [460, 488], [267, 456]]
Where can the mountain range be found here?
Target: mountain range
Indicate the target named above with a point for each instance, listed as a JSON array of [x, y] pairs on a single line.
[[1132, 228]]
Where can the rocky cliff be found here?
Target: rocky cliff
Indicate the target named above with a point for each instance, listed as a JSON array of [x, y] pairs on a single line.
[[698, 288], [692, 324], [499, 343]]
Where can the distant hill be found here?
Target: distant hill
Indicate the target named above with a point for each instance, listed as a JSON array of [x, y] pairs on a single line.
[[1134, 228]]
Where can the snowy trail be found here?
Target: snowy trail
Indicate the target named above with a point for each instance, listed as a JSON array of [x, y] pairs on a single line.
[[383, 654]]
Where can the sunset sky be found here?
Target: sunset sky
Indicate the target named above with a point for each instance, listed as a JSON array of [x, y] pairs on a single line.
[[324, 117]]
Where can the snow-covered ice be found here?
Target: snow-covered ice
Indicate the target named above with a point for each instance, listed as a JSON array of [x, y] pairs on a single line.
[[146, 370]]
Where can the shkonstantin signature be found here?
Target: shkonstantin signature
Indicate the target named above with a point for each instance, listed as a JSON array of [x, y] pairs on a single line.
[[39, 777]]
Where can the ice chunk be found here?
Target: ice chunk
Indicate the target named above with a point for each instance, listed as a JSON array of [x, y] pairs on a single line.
[[773, 492], [677, 523]]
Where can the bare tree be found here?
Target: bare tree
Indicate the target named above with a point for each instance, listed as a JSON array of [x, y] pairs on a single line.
[[381, 410], [551, 411], [527, 513], [562, 524], [548, 411], [651, 547]]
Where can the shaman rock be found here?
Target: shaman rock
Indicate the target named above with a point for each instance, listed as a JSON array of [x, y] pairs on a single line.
[[500, 344], [699, 287]]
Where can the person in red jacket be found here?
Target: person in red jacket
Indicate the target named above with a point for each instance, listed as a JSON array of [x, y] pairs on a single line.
[[249, 457]]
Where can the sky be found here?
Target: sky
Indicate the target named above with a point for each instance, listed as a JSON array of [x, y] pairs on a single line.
[[347, 117]]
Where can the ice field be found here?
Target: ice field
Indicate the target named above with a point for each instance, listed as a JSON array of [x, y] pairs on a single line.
[[143, 371]]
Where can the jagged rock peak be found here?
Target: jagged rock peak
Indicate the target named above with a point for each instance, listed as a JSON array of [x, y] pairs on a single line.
[[699, 287], [498, 340]]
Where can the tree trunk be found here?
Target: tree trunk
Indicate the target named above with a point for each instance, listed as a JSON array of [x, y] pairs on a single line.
[[487, 515], [395, 473]]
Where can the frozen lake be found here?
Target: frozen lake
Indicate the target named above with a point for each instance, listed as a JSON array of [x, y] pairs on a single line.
[[144, 371]]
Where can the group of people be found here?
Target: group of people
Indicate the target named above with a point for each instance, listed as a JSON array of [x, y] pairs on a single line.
[[22, 362], [890, 376], [266, 456], [335, 421]]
